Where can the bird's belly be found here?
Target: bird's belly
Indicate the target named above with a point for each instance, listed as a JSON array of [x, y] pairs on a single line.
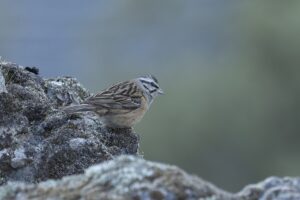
[[126, 120]]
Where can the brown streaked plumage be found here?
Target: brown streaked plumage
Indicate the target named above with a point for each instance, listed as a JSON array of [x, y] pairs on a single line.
[[123, 104]]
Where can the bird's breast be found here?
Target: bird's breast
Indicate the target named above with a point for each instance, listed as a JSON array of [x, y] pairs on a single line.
[[126, 120]]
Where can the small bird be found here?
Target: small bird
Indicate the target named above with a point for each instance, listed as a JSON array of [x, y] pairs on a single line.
[[123, 104]]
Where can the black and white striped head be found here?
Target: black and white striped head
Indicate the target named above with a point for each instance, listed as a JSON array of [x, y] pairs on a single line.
[[150, 86]]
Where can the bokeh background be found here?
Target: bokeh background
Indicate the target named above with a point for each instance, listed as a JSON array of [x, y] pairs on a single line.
[[230, 71]]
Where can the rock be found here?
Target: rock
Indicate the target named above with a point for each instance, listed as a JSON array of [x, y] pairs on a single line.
[[38, 140], [19, 159], [273, 188], [131, 177], [65, 90], [126, 177], [2, 83]]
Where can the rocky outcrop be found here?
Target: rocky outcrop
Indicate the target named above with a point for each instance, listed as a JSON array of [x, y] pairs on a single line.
[[273, 188], [126, 177], [38, 140]]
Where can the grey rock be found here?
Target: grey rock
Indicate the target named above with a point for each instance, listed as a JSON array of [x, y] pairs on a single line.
[[39, 141], [126, 177], [19, 159], [2, 82], [273, 188], [77, 143], [65, 90]]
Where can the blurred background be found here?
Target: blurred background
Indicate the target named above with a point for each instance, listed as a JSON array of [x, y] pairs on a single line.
[[230, 71]]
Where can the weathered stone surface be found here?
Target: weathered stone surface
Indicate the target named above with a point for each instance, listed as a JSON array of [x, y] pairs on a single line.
[[129, 177], [2, 83], [273, 188], [126, 177], [38, 141]]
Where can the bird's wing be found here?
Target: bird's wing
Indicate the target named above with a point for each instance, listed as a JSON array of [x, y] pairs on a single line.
[[120, 98]]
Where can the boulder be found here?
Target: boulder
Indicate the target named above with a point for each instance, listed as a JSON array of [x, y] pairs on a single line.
[[38, 141]]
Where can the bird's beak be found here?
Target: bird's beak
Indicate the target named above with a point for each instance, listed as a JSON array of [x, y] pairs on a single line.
[[160, 91]]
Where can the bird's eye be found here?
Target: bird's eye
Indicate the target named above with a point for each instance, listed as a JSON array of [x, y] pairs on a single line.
[[154, 85]]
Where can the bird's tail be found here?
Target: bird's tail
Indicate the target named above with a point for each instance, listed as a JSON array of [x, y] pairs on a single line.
[[78, 108]]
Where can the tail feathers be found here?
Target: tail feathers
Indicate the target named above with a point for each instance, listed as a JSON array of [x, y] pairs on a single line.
[[78, 108]]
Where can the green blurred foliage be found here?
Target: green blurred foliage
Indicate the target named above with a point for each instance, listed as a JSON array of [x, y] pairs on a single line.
[[239, 122]]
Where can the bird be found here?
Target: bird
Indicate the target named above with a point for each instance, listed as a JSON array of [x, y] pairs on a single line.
[[123, 104]]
